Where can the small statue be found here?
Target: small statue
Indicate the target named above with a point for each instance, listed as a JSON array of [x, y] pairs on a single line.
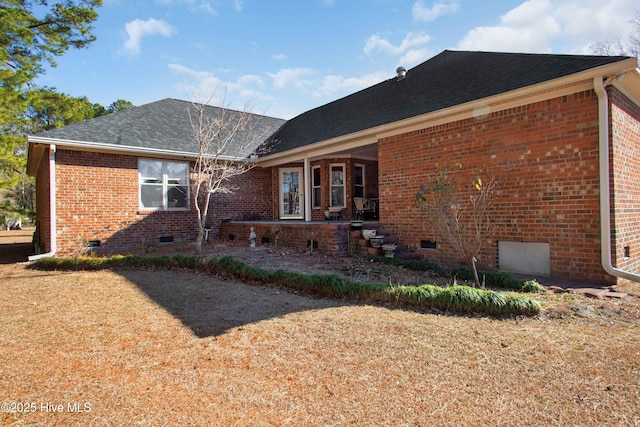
[[252, 237]]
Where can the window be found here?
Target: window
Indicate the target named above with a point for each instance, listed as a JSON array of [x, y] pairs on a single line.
[[163, 184], [316, 194], [358, 181], [336, 180]]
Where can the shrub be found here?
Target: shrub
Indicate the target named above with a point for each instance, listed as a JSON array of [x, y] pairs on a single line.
[[465, 299], [490, 278], [457, 299]]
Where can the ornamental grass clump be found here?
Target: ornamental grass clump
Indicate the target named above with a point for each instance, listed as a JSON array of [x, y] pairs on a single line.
[[455, 299], [491, 279], [464, 299]]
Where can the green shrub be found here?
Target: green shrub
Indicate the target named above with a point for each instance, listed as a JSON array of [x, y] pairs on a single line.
[[457, 299], [464, 299], [490, 278]]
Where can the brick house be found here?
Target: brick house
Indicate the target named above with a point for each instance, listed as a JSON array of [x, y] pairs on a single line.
[[561, 131]]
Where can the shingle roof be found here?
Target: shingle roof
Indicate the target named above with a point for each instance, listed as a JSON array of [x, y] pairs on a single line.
[[448, 79], [160, 125]]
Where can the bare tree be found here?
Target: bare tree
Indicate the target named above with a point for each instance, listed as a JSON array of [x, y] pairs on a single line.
[[460, 206], [227, 142], [629, 46]]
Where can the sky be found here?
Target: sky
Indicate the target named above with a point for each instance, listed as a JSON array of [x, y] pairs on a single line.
[[283, 57]]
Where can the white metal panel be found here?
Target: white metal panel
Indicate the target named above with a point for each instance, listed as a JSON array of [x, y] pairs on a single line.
[[524, 257]]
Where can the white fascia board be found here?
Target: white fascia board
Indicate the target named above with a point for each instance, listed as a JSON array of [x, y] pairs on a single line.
[[125, 149]]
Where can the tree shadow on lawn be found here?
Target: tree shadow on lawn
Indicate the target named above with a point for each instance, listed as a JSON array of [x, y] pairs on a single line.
[[210, 306]]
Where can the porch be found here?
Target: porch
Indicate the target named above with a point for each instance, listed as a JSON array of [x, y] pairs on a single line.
[[335, 238]]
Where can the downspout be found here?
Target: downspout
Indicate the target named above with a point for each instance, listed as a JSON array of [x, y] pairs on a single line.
[[52, 205], [605, 195]]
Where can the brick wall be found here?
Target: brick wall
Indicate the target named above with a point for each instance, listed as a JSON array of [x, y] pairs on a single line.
[[97, 199], [625, 195], [251, 201], [546, 156], [331, 238]]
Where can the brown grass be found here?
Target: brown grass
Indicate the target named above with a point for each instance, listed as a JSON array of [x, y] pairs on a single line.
[[157, 348]]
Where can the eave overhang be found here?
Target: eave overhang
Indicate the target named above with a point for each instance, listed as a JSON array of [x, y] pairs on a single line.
[[37, 143]]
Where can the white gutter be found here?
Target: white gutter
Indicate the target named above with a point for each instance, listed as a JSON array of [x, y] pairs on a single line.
[[52, 205], [128, 149], [605, 195]]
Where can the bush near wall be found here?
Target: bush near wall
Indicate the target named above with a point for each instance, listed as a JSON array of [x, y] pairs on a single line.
[[455, 299]]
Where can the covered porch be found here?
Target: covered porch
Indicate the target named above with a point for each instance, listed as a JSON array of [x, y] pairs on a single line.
[[323, 184]]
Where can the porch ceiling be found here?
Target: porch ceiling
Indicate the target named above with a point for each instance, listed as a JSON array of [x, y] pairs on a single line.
[[364, 152]]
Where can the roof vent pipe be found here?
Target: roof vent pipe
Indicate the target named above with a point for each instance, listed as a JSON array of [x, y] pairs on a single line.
[[402, 72]]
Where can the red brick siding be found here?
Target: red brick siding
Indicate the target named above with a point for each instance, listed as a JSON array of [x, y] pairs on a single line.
[[546, 155], [332, 238], [625, 186], [251, 200], [97, 199]]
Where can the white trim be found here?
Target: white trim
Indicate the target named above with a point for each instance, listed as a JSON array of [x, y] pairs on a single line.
[[53, 229], [301, 185], [307, 190], [128, 149]]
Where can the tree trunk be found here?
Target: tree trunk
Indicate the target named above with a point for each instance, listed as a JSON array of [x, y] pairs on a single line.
[[475, 271], [199, 241]]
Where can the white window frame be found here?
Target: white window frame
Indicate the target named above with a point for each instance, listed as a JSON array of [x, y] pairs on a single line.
[[166, 186], [355, 185], [344, 184], [316, 204]]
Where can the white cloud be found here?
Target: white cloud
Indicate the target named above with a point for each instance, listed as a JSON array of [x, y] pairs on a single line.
[[333, 84], [137, 29], [377, 43], [292, 78], [560, 26], [415, 56], [421, 12], [238, 5], [199, 85], [412, 50], [279, 57]]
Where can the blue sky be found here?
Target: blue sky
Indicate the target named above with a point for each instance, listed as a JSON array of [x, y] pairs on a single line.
[[281, 58]]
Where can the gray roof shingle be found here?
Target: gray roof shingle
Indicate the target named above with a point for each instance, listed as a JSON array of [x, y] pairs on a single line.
[[162, 125], [448, 79]]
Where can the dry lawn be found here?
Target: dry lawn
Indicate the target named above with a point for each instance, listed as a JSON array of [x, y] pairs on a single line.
[[156, 348]]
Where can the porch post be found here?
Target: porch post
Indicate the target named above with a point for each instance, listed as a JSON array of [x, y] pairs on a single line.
[[307, 189]]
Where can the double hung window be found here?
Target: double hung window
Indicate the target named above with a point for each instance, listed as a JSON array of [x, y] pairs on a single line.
[[316, 194], [164, 184], [358, 181], [337, 187]]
